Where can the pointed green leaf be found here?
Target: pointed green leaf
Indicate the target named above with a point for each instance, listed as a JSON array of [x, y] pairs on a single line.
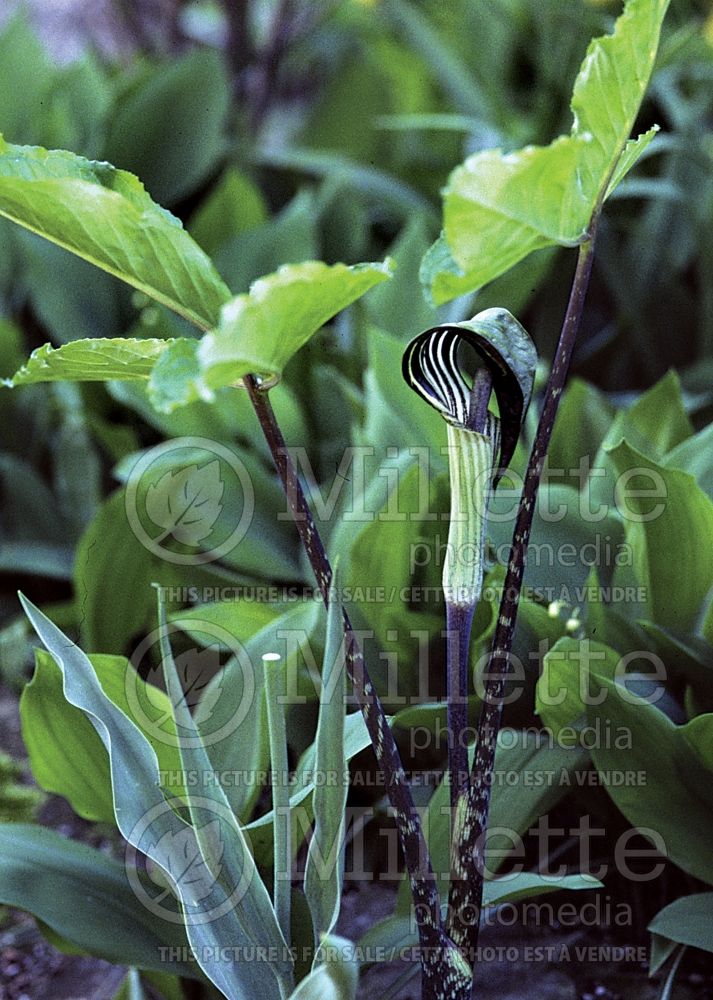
[[337, 978], [91, 361], [688, 920], [259, 331], [105, 216], [84, 896], [66, 755], [669, 525], [324, 867], [672, 782], [499, 207], [149, 823], [222, 843]]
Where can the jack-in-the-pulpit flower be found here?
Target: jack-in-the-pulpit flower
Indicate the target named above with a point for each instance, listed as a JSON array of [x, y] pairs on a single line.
[[480, 445]]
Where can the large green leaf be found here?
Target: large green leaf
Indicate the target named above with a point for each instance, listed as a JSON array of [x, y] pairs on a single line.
[[220, 837], [259, 331], [324, 866], [670, 528], [563, 686], [84, 896], [688, 920], [215, 925], [672, 780], [66, 754], [336, 978], [105, 216], [90, 361], [170, 129], [499, 207]]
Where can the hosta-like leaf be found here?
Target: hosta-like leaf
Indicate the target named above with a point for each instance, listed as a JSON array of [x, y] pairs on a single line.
[[672, 780], [669, 524], [260, 331], [217, 853], [105, 216], [66, 754], [336, 978], [90, 361], [499, 207], [217, 924], [688, 920], [84, 896]]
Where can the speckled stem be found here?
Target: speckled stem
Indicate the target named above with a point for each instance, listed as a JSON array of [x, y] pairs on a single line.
[[441, 964], [466, 899]]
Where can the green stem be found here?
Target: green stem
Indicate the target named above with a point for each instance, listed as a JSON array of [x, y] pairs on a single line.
[[277, 732]]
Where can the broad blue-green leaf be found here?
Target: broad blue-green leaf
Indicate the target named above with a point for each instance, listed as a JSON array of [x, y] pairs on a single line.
[[524, 885], [656, 423], [336, 978], [221, 839], [84, 896], [66, 754], [148, 822], [695, 455], [688, 920], [499, 207], [91, 361], [671, 531], [324, 867], [259, 331], [105, 216], [674, 781]]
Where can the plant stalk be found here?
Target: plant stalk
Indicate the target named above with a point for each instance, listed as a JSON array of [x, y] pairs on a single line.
[[277, 732], [466, 899], [422, 881]]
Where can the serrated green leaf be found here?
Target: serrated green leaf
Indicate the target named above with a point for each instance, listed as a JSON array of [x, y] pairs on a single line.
[[105, 216], [499, 207], [90, 361], [259, 331], [84, 896]]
